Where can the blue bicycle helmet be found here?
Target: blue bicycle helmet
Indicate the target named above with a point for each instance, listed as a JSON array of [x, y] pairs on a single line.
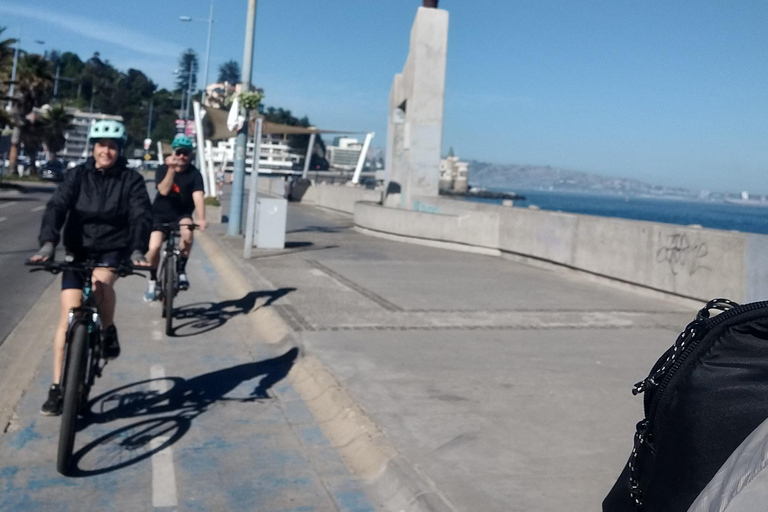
[[182, 141], [108, 129]]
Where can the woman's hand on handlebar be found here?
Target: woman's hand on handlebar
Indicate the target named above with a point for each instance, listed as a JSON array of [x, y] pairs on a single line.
[[138, 259], [45, 253]]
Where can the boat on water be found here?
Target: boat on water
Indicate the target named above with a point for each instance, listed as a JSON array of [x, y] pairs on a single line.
[[482, 193]]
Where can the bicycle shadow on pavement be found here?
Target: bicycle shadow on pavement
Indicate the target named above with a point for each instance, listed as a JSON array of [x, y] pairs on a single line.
[[202, 317], [170, 405]]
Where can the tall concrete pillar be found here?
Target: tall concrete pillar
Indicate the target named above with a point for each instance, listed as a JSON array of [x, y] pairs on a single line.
[[415, 129]]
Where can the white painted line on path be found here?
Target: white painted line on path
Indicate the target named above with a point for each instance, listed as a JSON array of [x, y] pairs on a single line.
[[319, 273], [163, 472], [38, 208], [3, 219], [6, 205]]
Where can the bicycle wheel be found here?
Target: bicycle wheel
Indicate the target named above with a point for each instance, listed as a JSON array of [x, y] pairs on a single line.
[[169, 289], [74, 382]]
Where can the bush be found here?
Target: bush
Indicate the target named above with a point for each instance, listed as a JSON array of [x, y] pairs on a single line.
[[212, 201]]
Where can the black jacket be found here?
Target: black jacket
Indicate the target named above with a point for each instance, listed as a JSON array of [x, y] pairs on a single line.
[[104, 210]]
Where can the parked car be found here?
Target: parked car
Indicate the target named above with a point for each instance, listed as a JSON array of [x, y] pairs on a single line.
[[74, 163], [52, 171]]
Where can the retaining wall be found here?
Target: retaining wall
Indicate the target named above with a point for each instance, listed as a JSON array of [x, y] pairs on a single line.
[[686, 261]]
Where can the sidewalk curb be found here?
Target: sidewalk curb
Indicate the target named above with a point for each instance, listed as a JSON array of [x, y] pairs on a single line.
[[391, 478], [23, 350]]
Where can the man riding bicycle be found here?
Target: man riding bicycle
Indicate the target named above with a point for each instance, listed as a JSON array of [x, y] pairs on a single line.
[[180, 192], [108, 218]]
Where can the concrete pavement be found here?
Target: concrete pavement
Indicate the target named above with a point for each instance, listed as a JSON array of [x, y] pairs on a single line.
[[203, 420], [507, 386], [443, 380]]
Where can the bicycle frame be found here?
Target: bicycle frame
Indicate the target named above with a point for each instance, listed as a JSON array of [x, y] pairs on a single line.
[[170, 249], [87, 314]]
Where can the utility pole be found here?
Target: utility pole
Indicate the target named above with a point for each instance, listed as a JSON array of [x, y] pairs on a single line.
[[56, 82], [207, 52], [13, 72], [241, 142], [189, 92], [149, 119]]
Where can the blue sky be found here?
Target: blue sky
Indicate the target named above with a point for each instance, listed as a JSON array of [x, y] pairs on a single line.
[[668, 92]]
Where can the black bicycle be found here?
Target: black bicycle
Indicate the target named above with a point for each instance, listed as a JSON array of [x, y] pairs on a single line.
[[83, 353], [167, 270]]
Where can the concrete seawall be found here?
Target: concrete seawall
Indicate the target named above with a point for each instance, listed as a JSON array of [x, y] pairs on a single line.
[[685, 261], [334, 197]]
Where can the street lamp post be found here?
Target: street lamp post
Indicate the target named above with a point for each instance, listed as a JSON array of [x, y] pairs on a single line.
[[209, 20], [13, 71], [238, 180]]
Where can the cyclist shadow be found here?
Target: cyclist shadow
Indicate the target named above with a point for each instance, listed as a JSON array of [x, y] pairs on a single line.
[[170, 405], [202, 317]]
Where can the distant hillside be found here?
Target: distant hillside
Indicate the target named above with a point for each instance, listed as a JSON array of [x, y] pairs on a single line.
[[512, 177]]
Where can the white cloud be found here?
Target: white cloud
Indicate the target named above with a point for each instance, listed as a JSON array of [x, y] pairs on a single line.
[[99, 30]]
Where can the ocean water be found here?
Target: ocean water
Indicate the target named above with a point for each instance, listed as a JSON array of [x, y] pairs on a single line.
[[715, 215]]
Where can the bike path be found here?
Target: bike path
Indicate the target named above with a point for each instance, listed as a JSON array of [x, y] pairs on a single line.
[[203, 420]]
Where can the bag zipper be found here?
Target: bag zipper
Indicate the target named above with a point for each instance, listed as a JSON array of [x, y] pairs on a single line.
[[696, 331], [704, 325]]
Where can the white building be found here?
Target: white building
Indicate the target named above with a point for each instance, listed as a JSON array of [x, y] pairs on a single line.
[[344, 154], [76, 145], [453, 174], [275, 154]]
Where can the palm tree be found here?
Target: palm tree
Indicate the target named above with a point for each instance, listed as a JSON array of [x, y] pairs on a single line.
[[34, 79], [6, 50], [55, 123]]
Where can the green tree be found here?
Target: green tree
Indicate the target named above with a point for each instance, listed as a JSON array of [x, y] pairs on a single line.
[[187, 71], [229, 72], [71, 76], [34, 82], [298, 143], [55, 123]]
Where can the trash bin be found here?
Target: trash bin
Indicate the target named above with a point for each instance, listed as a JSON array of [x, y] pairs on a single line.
[[299, 187], [270, 223]]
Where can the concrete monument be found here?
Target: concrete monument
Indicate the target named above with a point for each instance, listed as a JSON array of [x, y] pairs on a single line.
[[415, 128]]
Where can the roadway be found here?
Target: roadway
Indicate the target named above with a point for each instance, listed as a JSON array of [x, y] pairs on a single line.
[[20, 216]]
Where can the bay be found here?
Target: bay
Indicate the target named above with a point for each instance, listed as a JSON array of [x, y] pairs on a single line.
[[708, 214]]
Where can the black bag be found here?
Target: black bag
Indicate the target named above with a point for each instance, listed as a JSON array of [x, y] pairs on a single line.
[[703, 397]]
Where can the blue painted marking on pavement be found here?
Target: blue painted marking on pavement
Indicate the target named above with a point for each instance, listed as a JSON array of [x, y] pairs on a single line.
[[12, 499], [313, 436], [19, 439], [353, 501], [297, 412], [207, 265]]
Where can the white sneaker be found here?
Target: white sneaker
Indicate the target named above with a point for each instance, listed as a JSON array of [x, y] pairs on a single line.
[[150, 294], [183, 282]]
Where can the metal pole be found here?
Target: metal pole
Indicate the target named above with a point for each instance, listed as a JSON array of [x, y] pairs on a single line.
[[309, 155], [253, 194], [361, 158], [207, 52], [238, 179], [56, 82], [189, 94], [13, 72], [198, 112], [149, 119]]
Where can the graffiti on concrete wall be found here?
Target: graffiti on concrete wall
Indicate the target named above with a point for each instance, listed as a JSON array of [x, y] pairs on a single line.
[[682, 253]]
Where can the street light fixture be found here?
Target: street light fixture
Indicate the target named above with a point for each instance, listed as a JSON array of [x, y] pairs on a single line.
[[209, 20]]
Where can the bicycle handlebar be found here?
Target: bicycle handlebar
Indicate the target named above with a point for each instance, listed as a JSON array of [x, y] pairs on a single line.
[[175, 227], [54, 267]]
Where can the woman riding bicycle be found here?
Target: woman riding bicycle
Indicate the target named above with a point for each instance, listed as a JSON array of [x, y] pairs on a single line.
[[108, 220]]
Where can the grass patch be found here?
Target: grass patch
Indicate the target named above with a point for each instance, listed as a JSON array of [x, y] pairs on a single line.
[[212, 201]]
